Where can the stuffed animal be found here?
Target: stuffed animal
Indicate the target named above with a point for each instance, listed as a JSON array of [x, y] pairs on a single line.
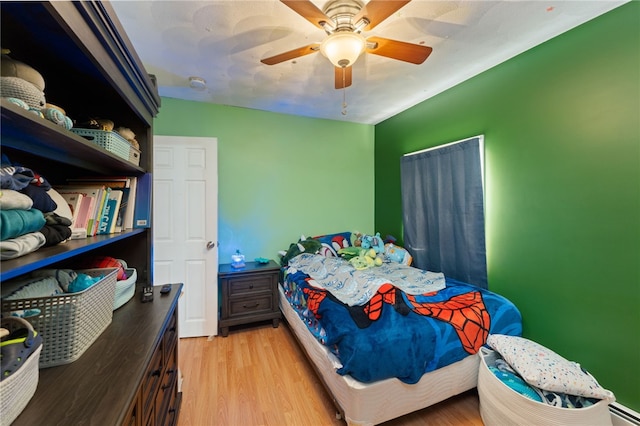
[[23, 85], [128, 134], [97, 124], [15, 87], [361, 258], [19, 80], [375, 242], [10, 67], [304, 245], [57, 116]]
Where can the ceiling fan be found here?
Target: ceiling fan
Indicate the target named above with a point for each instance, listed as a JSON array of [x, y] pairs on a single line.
[[344, 21]]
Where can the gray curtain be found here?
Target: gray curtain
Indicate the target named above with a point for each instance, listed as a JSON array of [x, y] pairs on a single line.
[[443, 211]]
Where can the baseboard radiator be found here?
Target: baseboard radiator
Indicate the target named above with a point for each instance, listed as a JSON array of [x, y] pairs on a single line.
[[623, 416]]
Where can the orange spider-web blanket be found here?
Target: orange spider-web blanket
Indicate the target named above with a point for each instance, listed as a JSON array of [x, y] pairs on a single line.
[[400, 335]]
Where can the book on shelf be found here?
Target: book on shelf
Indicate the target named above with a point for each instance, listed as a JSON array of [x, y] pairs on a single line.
[[74, 201], [127, 220], [113, 182], [84, 211], [122, 210], [100, 212], [112, 206], [95, 195], [143, 207], [123, 218]]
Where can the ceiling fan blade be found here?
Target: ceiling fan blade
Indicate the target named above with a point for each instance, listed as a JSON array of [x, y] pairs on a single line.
[[377, 11], [343, 77], [292, 54], [407, 52], [308, 11]]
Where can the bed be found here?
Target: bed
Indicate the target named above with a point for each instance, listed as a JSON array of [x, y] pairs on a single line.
[[398, 352]]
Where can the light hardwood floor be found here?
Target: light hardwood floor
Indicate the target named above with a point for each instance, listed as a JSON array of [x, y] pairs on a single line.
[[259, 376]]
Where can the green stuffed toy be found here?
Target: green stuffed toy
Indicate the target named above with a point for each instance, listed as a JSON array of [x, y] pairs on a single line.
[[361, 258], [304, 245]]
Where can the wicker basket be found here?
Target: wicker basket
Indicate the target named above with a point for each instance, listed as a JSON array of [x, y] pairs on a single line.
[[111, 141], [134, 155], [17, 390], [69, 323], [501, 405]]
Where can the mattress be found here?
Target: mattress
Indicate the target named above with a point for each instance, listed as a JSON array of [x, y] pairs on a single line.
[[377, 402]]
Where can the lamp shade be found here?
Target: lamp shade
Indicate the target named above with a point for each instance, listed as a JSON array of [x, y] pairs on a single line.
[[343, 48]]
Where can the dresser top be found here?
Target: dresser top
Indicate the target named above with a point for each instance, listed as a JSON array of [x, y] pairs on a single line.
[[99, 387]]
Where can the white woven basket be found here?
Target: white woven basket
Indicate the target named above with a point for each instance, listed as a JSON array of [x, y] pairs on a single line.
[[69, 323], [17, 390], [111, 141], [125, 289], [501, 405]]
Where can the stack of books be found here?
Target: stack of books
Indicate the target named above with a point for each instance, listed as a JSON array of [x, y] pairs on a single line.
[[103, 205]]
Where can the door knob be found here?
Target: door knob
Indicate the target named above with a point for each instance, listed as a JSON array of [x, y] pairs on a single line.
[[210, 245]]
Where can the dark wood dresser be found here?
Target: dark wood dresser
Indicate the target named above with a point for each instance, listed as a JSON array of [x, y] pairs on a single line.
[[248, 294], [128, 376]]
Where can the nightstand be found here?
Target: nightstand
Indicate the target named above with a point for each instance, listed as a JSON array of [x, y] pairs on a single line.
[[248, 294]]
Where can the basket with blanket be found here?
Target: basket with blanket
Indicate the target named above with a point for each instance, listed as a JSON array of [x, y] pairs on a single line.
[[522, 382], [69, 308]]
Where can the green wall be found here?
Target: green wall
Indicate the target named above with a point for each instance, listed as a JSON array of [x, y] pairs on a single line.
[[562, 157], [279, 176]]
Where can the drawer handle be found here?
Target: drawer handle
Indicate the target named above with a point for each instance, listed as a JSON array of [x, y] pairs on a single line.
[[165, 387], [155, 373], [254, 306], [250, 286]]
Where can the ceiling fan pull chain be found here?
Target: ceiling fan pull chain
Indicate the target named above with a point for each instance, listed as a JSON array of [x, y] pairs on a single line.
[[344, 92]]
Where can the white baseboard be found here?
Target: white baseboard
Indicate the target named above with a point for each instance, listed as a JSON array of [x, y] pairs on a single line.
[[623, 416]]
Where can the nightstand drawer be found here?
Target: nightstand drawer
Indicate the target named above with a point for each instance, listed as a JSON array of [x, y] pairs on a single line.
[[250, 285], [251, 305]]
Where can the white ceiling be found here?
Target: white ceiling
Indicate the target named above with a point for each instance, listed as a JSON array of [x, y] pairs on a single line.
[[224, 41]]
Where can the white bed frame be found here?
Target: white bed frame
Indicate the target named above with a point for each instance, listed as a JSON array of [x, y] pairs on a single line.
[[370, 404]]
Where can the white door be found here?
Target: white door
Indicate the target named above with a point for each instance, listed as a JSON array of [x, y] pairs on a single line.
[[185, 231]]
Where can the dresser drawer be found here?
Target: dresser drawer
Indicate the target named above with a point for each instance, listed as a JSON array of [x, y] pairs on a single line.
[[170, 338], [152, 380], [167, 389], [254, 284]]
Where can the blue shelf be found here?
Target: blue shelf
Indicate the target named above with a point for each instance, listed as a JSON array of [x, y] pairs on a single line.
[[50, 255]]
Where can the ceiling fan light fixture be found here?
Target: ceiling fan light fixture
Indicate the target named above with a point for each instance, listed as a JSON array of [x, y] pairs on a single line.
[[343, 48]]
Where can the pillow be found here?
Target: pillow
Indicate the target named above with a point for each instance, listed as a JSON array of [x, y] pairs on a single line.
[[331, 243], [397, 254], [545, 369]]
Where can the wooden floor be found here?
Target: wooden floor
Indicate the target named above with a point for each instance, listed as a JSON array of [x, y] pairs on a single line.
[[259, 376]]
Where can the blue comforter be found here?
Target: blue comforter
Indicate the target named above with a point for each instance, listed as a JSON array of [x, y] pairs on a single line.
[[396, 334]]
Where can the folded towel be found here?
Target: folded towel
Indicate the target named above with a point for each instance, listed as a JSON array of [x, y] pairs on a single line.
[[11, 199], [19, 246], [16, 222]]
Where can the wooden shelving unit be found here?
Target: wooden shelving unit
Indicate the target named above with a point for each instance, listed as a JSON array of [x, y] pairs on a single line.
[[92, 71]]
